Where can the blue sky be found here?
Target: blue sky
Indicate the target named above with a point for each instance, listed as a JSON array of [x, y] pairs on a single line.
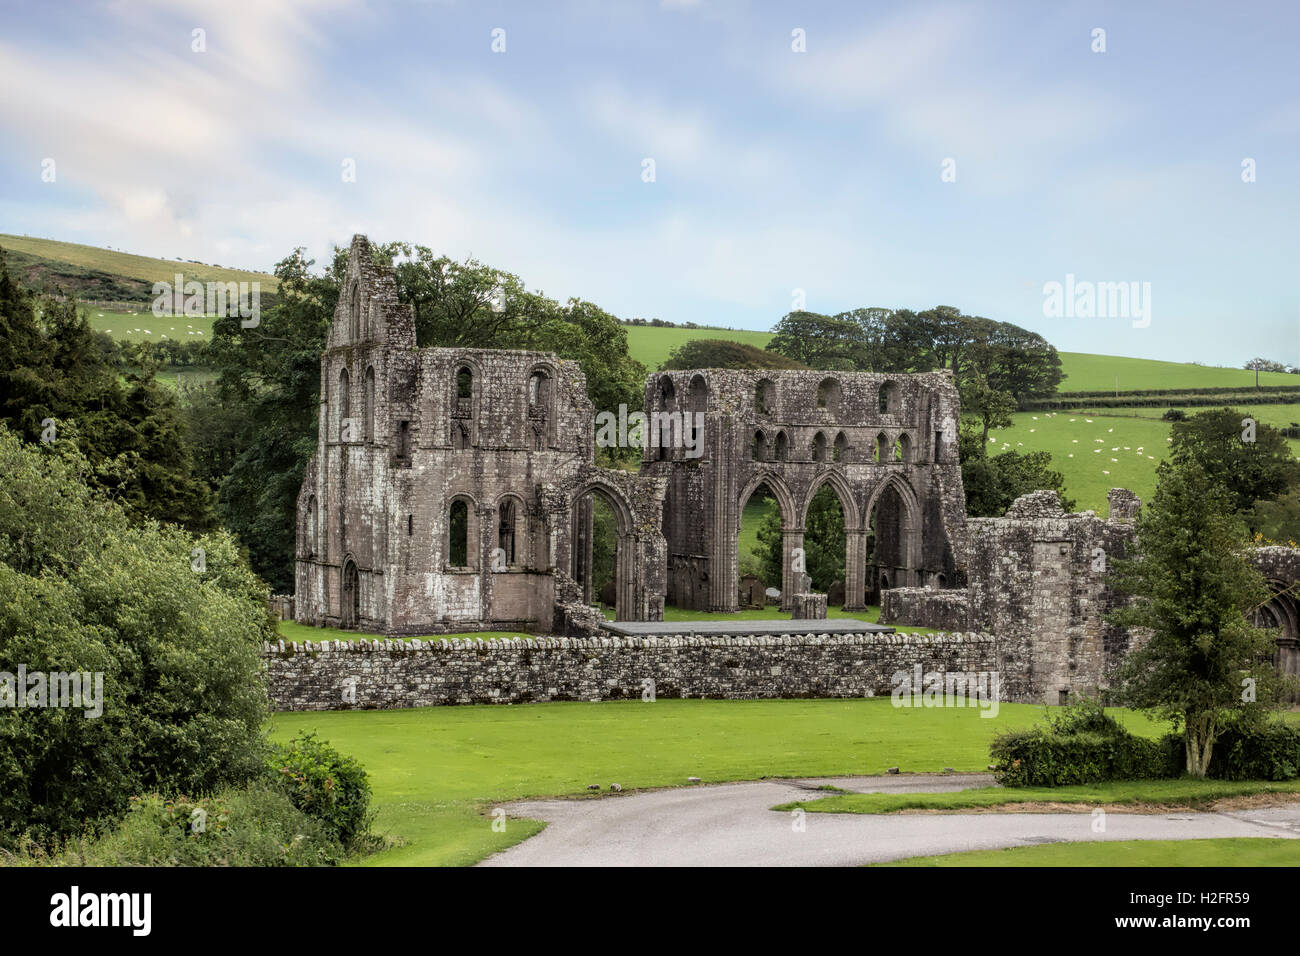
[[775, 170]]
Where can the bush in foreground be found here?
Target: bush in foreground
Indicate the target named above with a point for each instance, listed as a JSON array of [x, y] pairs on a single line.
[[328, 786], [253, 826]]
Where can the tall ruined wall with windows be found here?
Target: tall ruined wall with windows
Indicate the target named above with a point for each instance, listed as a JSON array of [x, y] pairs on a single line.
[[450, 487], [885, 444]]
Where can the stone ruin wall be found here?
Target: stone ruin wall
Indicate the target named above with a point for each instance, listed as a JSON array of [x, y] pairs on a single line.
[[796, 432], [1037, 578], [398, 446], [366, 674]]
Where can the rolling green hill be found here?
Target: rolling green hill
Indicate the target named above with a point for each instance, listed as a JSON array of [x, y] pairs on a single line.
[[143, 269], [1086, 372], [650, 344]]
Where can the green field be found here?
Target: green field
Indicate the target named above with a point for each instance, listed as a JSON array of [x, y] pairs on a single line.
[[1236, 851], [650, 345], [1086, 372], [1097, 451], [437, 771], [143, 326], [143, 268]]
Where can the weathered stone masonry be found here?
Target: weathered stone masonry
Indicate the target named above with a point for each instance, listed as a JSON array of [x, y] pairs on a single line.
[[388, 673]]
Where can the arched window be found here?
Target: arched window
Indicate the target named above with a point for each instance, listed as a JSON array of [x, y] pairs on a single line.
[[506, 530], [903, 448], [666, 397], [368, 410], [539, 390], [464, 387], [782, 447], [889, 398], [882, 448], [345, 406], [759, 447], [819, 447], [765, 397], [458, 534], [459, 436], [841, 447], [828, 395], [354, 313], [309, 532]]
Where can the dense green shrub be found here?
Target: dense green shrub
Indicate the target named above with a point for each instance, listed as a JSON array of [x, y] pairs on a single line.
[[253, 826], [1268, 751], [325, 784], [1079, 744], [1175, 415], [176, 638]]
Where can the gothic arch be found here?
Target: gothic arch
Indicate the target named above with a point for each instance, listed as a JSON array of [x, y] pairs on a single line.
[[780, 490], [840, 485]]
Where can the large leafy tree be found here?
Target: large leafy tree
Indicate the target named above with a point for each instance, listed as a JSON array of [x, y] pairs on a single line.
[[85, 587], [58, 383], [1204, 664], [820, 341], [725, 353], [269, 383], [1247, 460]]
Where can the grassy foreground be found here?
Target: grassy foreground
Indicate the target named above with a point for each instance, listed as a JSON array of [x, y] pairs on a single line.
[[438, 771], [1187, 792], [1229, 851]]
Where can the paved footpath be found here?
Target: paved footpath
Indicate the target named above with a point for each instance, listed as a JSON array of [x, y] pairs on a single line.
[[734, 825]]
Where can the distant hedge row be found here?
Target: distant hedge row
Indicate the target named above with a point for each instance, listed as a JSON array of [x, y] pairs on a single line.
[[1160, 400]]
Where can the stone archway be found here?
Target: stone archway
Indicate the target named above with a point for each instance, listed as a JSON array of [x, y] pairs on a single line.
[[350, 606], [892, 520], [640, 550], [853, 534], [1282, 611], [791, 535]]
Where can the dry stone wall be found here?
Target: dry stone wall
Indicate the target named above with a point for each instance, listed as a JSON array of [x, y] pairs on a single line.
[[379, 673]]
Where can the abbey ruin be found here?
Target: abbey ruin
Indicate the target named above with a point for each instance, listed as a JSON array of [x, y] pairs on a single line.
[[451, 490]]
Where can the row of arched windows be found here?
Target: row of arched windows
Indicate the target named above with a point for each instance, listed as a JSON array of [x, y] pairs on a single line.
[[539, 392], [829, 395], [363, 427], [779, 450], [509, 533]]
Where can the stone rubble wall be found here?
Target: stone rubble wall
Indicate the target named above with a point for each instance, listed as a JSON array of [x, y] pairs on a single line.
[[946, 609], [373, 674]]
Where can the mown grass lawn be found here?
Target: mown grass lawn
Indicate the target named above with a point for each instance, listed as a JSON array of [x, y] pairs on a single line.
[[1231, 851], [438, 771], [1178, 793]]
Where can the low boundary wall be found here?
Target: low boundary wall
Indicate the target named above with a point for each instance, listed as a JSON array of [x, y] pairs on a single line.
[[385, 673]]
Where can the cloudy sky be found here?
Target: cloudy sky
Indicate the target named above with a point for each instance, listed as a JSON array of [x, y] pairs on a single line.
[[774, 170]]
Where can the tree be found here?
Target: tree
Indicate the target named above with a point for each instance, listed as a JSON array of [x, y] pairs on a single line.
[[819, 341], [57, 383], [725, 353], [990, 407], [1248, 460], [1204, 664], [269, 378], [86, 588]]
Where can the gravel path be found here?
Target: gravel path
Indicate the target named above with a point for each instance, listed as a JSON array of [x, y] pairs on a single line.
[[734, 825]]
